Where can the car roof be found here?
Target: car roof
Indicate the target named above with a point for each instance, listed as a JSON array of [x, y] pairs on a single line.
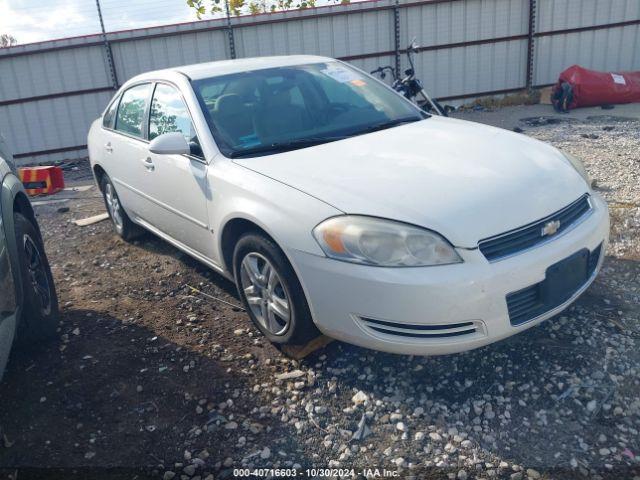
[[224, 67]]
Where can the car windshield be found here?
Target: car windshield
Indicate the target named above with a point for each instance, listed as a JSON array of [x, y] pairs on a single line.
[[278, 109]]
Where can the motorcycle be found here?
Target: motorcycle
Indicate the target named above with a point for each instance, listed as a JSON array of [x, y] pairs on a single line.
[[410, 86]]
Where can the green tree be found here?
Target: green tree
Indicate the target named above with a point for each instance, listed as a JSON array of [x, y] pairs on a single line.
[[238, 7], [7, 40]]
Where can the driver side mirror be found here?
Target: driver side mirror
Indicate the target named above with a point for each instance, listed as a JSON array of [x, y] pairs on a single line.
[[172, 143]]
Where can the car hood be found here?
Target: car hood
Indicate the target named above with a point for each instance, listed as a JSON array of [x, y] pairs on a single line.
[[464, 180]]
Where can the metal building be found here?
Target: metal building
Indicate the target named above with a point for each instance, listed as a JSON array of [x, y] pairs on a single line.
[[51, 91]]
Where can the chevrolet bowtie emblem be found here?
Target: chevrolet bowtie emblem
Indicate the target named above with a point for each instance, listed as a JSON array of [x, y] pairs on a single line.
[[550, 228]]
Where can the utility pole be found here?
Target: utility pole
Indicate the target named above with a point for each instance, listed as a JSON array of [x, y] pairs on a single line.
[[232, 43], [396, 35], [107, 49]]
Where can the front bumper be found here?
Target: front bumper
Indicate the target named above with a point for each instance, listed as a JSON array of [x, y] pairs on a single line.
[[450, 308]]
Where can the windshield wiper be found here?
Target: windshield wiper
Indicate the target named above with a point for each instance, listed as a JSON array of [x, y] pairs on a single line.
[[390, 123], [279, 147]]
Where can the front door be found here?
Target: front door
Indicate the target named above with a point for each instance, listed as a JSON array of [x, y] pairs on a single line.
[[179, 186]]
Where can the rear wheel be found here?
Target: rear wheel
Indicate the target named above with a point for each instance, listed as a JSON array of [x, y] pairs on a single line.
[[271, 291], [121, 221], [40, 303], [426, 106]]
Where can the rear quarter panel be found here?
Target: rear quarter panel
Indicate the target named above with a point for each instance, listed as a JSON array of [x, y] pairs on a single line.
[[94, 141]]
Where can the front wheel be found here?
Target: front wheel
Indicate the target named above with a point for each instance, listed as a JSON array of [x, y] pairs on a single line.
[[39, 320], [271, 291]]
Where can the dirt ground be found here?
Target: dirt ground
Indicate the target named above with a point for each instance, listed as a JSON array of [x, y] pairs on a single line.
[[153, 379]]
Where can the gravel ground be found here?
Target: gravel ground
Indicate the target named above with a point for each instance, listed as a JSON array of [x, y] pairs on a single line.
[[153, 379]]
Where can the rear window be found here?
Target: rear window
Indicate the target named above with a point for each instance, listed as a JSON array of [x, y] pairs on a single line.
[[109, 117], [131, 112]]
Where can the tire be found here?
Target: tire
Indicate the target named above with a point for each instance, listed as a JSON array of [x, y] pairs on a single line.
[[40, 315], [444, 110], [427, 107], [121, 222], [258, 251]]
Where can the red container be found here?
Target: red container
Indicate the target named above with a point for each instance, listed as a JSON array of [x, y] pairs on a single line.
[[41, 180], [592, 88]]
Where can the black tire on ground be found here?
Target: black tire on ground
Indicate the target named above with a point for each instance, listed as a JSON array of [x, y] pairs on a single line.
[[121, 222], [39, 320], [426, 106], [301, 328], [442, 109]]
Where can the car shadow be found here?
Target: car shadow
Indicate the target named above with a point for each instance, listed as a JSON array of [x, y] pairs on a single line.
[[156, 245], [114, 399]]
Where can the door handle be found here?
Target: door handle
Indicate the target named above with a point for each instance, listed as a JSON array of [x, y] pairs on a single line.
[[108, 147], [148, 164]]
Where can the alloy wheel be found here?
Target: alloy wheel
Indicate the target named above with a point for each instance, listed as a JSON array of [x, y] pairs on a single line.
[[113, 204], [37, 274], [265, 293]]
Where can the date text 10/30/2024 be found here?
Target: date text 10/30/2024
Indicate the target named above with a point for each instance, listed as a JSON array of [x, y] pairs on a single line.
[[315, 472]]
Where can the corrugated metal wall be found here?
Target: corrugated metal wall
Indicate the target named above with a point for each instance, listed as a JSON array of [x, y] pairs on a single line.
[[136, 56], [495, 61], [51, 91], [610, 48]]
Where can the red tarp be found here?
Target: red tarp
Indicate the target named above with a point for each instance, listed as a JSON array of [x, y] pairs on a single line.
[[592, 88]]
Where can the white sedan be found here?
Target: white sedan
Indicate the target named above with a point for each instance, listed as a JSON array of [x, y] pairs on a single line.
[[337, 206]]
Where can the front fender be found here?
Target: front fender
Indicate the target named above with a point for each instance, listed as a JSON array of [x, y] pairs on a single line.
[[284, 213]]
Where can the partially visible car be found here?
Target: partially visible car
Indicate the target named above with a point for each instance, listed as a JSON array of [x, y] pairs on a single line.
[[28, 301]]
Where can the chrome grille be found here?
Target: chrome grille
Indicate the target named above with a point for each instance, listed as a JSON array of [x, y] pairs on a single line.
[[514, 241]]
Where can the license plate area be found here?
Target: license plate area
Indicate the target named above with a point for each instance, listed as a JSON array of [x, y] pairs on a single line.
[[565, 278]]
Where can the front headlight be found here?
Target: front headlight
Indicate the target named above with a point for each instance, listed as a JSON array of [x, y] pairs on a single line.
[[383, 243], [579, 167]]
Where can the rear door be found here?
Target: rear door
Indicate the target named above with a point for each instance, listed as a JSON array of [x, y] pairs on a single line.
[[125, 151], [179, 187]]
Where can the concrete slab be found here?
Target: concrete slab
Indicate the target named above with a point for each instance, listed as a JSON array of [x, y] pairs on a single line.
[[509, 117]]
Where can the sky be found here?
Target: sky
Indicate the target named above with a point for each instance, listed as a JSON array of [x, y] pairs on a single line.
[[37, 20]]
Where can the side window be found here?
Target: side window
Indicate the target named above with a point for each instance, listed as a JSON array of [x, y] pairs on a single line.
[[130, 117], [110, 115], [170, 114]]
